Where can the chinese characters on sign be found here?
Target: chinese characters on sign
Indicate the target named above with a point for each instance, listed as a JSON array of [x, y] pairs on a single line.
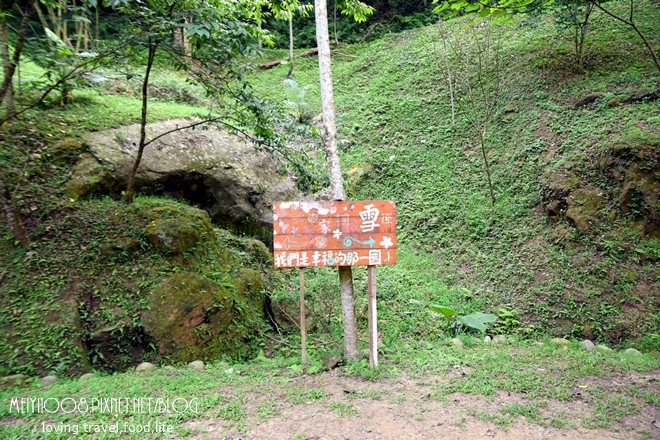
[[353, 233]]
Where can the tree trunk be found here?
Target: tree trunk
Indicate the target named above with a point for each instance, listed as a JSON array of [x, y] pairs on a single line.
[[334, 22], [10, 106], [130, 187], [336, 183], [11, 67], [288, 75], [11, 213], [630, 22]]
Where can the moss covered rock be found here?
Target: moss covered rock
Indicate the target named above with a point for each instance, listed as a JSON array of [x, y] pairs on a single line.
[[191, 317], [640, 196], [632, 162], [358, 175], [110, 247], [65, 150], [45, 336], [584, 207], [588, 99], [89, 177], [175, 230], [556, 183]]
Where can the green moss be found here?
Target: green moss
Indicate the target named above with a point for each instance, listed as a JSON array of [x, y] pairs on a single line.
[[65, 150], [584, 206], [192, 317], [89, 177], [358, 175], [175, 230]]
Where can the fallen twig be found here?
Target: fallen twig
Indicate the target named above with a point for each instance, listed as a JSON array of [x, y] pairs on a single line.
[[307, 53]]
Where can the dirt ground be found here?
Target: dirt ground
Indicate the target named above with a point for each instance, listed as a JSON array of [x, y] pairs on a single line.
[[331, 406]]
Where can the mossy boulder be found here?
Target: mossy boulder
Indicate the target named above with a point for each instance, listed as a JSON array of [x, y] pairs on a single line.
[[640, 196], [89, 177], [250, 280], [555, 187], [65, 150], [358, 175], [192, 317], [632, 162], [584, 207], [558, 184], [174, 230], [110, 247], [588, 99], [613, 102]]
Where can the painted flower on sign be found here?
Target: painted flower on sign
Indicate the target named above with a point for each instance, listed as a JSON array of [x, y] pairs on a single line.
[[386, 243]]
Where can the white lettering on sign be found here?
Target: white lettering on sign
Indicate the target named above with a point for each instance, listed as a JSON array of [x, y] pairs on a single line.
[[369, 217], [374, 256]]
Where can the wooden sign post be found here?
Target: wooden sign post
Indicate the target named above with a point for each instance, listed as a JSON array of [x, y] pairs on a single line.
[[346, 233]]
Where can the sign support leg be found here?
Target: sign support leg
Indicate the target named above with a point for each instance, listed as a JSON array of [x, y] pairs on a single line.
[[373, 325], [303, 334]]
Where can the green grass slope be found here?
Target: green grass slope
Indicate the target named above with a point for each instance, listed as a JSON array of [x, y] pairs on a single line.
[[394, 109]]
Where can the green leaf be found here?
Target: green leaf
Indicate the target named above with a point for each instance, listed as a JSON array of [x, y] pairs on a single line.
[[445, 311], [54, 38], [485, 12], [477, 320]]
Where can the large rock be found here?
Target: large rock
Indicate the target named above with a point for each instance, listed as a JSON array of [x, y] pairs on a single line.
[[175, 230], [584, 205], [44, 336], [220, 172], [65, 150], [89, 177], [632, 163], [191, 317], [640, 196]]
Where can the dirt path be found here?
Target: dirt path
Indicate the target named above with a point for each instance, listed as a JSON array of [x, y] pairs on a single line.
[[331, 406]]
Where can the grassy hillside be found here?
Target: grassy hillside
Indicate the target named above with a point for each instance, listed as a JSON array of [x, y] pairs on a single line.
[[394, 111], [593, 273], [570, 248]]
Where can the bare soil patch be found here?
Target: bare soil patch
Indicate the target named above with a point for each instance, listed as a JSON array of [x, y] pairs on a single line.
[[333, 406]]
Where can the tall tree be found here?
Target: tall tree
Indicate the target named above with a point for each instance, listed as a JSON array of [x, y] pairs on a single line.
[[351, 350], [10, 63], [476, 69], [284, 10]]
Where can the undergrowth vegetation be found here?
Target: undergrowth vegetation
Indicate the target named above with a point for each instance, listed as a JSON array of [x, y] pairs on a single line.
[[540, 275], [568, 248], [395, 118]]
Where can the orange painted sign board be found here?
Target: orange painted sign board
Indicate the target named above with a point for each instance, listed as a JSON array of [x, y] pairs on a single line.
[[347, 233]]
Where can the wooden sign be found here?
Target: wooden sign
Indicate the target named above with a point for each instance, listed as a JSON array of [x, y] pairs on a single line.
[[349, 233]]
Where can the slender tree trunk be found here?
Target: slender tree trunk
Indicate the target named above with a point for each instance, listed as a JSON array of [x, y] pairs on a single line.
[[20, 41], [580, 29], [40, 14], [336, 183], [288, 75], [10, 106], [11, 213], [334, 22], [482, 140], [630, 22], [130, 187]]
